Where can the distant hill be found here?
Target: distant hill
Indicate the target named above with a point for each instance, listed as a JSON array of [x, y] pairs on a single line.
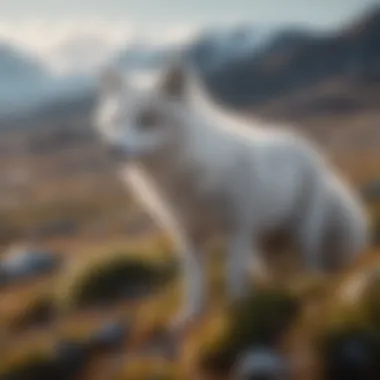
[[142, 56], [209, 50], [291, 72], [213, 50], [21, 77], [26, 85], [294, 62]]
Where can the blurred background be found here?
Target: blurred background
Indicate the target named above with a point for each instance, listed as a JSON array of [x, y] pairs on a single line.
[[87, 281]]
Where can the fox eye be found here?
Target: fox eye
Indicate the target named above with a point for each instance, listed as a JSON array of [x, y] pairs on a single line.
[[147, 120], [118, 118]]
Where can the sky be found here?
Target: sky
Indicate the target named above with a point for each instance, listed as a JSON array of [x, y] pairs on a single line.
[[55, 28], [159, 13]]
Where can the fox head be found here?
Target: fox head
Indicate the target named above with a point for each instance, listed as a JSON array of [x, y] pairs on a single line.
[[139, 122]]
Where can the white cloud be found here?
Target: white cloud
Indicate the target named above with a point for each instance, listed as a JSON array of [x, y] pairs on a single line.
[[61, 43], [42, 34], [174, 34], [65, 44]]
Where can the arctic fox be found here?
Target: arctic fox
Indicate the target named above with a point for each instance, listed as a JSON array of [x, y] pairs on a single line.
[[201, 175]]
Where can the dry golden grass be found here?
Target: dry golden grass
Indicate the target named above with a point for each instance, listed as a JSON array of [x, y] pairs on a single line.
[[153, 315]]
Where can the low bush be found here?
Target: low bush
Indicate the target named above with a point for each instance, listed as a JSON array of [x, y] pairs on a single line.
[[258, 320], [33, 363], [109, 278], [38, 311]]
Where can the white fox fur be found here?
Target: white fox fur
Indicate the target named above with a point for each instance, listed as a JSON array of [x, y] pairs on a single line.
[[200, 174]]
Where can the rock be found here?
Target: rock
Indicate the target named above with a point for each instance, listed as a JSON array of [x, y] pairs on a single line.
[[352, 355], [70, 358], [162, 344], [26, 264], [261, 364], [110, 336]]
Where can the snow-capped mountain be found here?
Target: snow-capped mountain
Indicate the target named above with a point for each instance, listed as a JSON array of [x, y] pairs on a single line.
[[22, 79], [214, 49], [143, 56], [26, 83], [209, 50]]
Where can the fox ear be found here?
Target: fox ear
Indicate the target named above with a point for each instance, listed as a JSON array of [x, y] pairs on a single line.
[[111, 81], [174, 82]]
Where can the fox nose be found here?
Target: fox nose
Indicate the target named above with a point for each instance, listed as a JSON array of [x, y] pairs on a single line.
[[117, 152]]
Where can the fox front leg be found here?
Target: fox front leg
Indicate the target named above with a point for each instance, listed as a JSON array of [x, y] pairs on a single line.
[[238, 254], [194, 271]]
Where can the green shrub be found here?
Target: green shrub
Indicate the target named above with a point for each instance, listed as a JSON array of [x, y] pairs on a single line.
[[109, 278], [31, 364], [260, 319], [38, 311], [371, 299]]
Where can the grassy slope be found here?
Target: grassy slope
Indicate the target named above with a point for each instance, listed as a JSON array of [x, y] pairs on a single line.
[[64, 184]]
